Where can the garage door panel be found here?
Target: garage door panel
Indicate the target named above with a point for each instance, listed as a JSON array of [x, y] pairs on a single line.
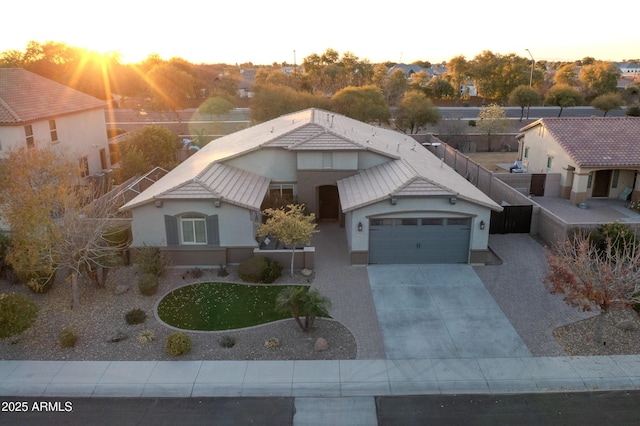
[[427, 240]]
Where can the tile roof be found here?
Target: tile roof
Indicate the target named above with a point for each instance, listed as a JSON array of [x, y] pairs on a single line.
[[596, 141], [27, 97], [410, 169]]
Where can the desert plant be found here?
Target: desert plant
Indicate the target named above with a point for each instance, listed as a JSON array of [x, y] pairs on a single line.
[[68, 338], [178, 343], [148, 284], [272, 343], [17, 313], [135, 316], [227, 341], [300, 301], [152, 260], [147, 336], [618, 235], [259, 269], [222, 271]]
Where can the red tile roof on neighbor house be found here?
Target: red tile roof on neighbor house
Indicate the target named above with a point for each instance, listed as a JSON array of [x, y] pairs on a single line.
[[26, 97], [596, 141]]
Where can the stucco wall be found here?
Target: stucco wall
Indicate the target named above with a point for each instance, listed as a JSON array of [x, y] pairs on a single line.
[[236, 226], [277, 164], [81, 134]]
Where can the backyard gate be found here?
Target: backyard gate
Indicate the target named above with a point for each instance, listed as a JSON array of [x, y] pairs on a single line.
[[511, 220]]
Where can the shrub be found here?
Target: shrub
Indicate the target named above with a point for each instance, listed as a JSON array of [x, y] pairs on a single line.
[[17, 313], [152, 260], [622, 237], [146, 336], [259, 269], [227, 341], [633, 110], [135, 316], [472, 123], [148, 284], [222, 271], [68, 338], [273, 343], [178, 343]]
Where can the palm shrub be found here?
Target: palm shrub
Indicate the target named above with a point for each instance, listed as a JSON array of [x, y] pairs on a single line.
[[17, 313], [178, 343], [299, 302]]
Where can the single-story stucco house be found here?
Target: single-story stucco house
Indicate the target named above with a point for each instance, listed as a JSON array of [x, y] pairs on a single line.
[[397, 202], [595, 156]]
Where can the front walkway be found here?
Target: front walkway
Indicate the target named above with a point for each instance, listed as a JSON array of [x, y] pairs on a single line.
[[348, 288]]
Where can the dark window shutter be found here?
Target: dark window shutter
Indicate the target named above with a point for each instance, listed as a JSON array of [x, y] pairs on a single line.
[[171, 226], [213, 232]]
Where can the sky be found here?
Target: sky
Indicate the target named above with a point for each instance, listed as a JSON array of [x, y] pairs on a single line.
[[264, 32]]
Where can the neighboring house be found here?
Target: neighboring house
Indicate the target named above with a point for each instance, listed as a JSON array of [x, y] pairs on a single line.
[[38, 112], [628, 67], [398, 203], [595, 157], [245, 86]]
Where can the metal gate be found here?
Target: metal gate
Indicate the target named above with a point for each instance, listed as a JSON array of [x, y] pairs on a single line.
[[511, 220]]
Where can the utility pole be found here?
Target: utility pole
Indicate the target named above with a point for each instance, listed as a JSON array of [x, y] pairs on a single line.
[[533, 62]]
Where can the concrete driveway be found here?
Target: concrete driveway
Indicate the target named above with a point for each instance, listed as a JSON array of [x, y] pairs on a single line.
[[440, 312]]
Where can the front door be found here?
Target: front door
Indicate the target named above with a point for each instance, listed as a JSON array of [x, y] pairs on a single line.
[[329, 203], [601, 183]]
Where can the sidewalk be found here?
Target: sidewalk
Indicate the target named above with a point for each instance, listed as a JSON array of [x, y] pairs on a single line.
[[347, 378]]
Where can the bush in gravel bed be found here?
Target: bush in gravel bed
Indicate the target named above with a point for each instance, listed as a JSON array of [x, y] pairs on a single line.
[[68, 338], [17, 313], [152, 260], [272, 343], [227, 341], [147, 336], [148, 284], [259, 269], [135, 316], [178, 343]]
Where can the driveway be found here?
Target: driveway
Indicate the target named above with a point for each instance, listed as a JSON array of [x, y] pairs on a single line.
[[440, 312]]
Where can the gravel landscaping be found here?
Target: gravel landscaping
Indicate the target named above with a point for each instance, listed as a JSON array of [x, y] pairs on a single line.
[[100, 318]]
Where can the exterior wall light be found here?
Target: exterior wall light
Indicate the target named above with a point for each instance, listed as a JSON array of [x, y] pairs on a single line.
[[393, 201], [359, 226], [453, 200], [482, 225], [217, 203], [158, 203]]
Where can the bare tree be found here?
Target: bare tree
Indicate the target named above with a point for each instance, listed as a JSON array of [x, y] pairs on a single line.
[[592, 276]]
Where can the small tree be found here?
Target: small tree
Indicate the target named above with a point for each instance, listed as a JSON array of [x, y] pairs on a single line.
[[524, 96], [414, 111], [564, 97], [301, 301], [291, 225], [608, 102], [492, 119], [216, 105]]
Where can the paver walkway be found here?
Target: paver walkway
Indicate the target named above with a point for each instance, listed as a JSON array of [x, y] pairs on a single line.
[[348, 288]]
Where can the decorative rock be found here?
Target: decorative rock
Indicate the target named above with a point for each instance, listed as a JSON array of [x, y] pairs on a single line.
[[321, 344], [627, 325], [117, 336], [121, 289], [306, 272]]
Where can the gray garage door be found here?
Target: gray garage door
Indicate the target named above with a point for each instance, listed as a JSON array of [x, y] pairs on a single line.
[[426, 240]]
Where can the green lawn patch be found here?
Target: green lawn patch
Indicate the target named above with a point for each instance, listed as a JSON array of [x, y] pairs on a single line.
[[220, 306]]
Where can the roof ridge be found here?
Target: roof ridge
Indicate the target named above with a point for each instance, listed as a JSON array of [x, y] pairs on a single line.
[[10, 110]]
